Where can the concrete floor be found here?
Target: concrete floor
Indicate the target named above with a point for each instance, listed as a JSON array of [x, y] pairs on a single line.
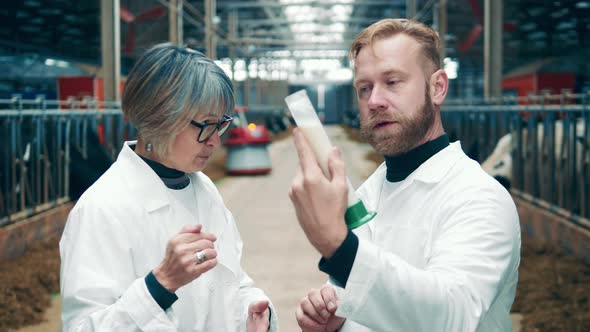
[[276, 253]]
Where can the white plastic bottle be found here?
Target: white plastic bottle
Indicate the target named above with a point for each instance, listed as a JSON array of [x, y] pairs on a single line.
[[308, 122]]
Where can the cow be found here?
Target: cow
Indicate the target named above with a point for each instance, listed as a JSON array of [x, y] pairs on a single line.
[[499, 163]]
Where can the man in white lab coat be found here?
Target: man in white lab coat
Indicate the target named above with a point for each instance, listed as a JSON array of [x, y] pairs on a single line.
[[151, 246], [443, 252]]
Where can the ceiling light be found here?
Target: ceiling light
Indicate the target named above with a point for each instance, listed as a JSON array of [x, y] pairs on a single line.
[[529, 26], [32, 3], [340, 75], [560, 13], [451, 68], [565, 25], [537, 35]]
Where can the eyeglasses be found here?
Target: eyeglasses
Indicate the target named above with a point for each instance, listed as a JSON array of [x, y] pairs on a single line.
[[208, 128]]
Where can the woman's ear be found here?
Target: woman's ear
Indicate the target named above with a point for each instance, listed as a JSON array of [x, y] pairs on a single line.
[[439, 85]]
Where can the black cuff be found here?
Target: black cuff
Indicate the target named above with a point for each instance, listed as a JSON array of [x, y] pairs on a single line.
[[159, 293], [340, 264]]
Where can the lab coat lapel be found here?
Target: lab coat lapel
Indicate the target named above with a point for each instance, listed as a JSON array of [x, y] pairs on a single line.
[[142, 179], [436, 167], [212, 214], [370, 191]]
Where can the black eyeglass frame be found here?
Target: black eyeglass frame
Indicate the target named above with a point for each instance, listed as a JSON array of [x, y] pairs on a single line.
[[218, 127]]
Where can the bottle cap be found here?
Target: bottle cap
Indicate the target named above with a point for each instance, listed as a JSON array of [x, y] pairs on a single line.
[[357, 215]]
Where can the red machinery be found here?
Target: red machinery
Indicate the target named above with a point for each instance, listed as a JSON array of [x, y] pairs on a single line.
[[247, 152]]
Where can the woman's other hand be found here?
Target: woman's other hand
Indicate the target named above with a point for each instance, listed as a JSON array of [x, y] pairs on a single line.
[[258, 317], [181, 266]]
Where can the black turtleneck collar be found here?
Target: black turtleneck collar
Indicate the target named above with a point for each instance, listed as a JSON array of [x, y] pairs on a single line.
[[399, 167], [172, 178]]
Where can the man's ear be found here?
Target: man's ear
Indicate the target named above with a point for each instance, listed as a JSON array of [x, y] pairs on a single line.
[[439, 85]]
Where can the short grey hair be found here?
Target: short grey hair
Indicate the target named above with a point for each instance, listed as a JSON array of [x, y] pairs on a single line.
[[167, 87]]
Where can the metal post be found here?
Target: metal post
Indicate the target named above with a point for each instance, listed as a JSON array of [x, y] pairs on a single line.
[[569, 138], [585, 204], [259, 87], [175, 22], [517, 168], [210, 40], [233, 34], [247, 84], [411, 9], [493, 48], [111, 49], [442, 29], [179, 23], [36, 160]]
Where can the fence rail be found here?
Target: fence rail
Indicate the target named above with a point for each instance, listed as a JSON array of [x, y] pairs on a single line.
[[39, 140], [549, 146], [549, 143]]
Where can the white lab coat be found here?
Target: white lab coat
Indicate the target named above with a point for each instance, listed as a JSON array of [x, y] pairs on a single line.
[[442, 254], [117, 233]]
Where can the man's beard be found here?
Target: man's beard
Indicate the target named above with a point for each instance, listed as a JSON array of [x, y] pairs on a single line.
[[407, 132]]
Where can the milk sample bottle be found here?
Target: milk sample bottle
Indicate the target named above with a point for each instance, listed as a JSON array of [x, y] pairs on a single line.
[[311, 127]]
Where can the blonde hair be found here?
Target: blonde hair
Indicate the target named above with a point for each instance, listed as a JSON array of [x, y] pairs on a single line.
[[421, 33], [168, 86]]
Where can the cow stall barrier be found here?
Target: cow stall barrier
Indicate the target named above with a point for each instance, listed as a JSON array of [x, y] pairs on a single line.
[[40, 139], [539, 145]]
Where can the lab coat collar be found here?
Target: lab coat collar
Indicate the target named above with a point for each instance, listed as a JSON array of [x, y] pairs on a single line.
[[142, 179], [432, 170], [436, 167]]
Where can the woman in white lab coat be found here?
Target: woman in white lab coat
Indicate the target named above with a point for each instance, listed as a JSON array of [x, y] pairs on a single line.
[[151, 246]]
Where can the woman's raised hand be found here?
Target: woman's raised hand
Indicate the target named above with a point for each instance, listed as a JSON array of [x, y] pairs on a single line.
[[189, 254]]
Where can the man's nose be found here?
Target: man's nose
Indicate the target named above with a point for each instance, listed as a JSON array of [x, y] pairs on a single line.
[[377, 99]]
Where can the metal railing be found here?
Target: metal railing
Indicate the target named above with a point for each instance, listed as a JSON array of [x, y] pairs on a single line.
[[549, 143], [38, 138]]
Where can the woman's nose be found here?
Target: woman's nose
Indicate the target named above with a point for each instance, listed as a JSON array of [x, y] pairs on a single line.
[[214, 140]]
